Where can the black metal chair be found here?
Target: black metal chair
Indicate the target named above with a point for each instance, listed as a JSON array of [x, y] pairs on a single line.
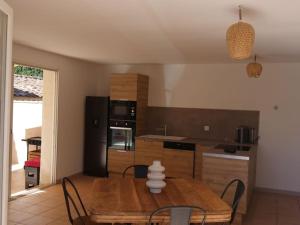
[[140, 171], [178, 215], [240, 189], [70, 202]]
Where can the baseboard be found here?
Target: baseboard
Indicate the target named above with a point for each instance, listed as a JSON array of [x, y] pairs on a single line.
[[58, 181], [276, 191], [30, 191]]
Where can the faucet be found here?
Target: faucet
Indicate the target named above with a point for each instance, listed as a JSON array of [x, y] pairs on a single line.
[[164, 129]]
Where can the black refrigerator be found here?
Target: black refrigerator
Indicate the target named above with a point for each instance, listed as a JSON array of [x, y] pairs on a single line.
[[96, 136]]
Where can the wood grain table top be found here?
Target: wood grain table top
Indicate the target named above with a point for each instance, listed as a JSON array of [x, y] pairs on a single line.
[[128, 200]]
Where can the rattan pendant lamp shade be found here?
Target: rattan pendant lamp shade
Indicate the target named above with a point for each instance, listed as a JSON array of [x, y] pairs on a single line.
[[240, 39], [254, 69]]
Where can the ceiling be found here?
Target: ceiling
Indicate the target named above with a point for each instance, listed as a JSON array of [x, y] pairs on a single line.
[[155, 31]]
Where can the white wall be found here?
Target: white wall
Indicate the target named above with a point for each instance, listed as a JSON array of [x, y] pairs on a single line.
[[226, 86], [49, 126], [77, 79]]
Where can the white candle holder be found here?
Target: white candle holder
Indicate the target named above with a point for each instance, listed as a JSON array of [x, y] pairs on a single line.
[[156, 177]]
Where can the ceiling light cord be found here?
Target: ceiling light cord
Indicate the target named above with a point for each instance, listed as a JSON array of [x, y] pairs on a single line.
[[240, 12]]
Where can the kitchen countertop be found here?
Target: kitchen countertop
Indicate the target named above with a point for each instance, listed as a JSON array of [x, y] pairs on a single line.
[[212, 152], [219, 153], [203, 141], [186, 140]]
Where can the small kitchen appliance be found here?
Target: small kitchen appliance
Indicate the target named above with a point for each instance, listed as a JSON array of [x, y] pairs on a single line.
[[245, 135], [122, 110]]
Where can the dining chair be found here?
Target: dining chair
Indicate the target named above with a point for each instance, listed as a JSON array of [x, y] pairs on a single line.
[[240, 189], [178, 215], [140, 171], [70, 202]]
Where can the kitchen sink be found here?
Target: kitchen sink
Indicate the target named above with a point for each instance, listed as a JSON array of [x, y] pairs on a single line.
[[173, 138]]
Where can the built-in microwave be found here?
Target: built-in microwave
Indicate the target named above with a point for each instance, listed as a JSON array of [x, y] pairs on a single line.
[[122, 110]]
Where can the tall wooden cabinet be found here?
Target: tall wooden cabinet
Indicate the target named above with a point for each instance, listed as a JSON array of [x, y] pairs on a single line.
[[132, 87], [128, 87]]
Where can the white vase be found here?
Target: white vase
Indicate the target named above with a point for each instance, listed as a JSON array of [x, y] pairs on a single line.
[[156, 177]]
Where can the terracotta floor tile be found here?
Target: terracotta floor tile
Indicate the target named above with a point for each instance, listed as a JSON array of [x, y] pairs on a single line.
[[12, 223], [56, 213], [18, 216], [38, 220], [288, 220], [31, 200], [53, 202], [59, 222], [36, 209], [266, 218], [17, 205]]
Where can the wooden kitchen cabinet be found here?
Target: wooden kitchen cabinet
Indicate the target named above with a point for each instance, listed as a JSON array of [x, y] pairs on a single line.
[[119, 160], [178, 163], [217, 172], [198, 160], [129, 86], [123, 87], [146, 151]]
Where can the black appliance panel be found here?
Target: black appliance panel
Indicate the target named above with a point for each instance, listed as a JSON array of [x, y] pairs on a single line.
[[232, 148], [179, 145], [122, 110], [96, 136]]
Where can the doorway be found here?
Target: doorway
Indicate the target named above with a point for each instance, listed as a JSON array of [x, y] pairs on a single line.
[[34, 123], [6, 27]]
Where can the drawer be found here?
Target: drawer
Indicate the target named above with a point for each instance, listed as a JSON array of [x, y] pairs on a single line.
[[30, 184], [32, 174], [32, 180]]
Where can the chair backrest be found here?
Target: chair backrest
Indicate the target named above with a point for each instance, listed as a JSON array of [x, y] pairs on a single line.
[[140, 171], [240, 189], [178, 215], [70, 200]]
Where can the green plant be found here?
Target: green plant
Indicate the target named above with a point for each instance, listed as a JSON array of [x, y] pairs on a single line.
[[28, 71]]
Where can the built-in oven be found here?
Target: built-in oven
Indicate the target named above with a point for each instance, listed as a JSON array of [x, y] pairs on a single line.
[[122, 135], [122, 110]]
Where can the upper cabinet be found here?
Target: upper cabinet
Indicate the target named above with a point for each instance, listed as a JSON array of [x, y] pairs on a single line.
[[131, 87]]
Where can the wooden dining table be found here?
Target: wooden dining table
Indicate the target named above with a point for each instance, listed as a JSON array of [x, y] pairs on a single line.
[[128, 200]]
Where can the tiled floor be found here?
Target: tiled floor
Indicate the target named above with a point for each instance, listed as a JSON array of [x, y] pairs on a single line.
[[273, 209], [47, 207]]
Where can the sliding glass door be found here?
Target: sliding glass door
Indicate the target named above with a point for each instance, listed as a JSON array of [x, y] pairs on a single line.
[[5, 104]]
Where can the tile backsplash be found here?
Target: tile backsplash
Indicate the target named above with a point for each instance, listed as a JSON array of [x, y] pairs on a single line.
[[190, 122]]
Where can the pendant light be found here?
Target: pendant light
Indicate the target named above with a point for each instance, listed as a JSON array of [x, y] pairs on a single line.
[[254, 69], [240, 39]]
